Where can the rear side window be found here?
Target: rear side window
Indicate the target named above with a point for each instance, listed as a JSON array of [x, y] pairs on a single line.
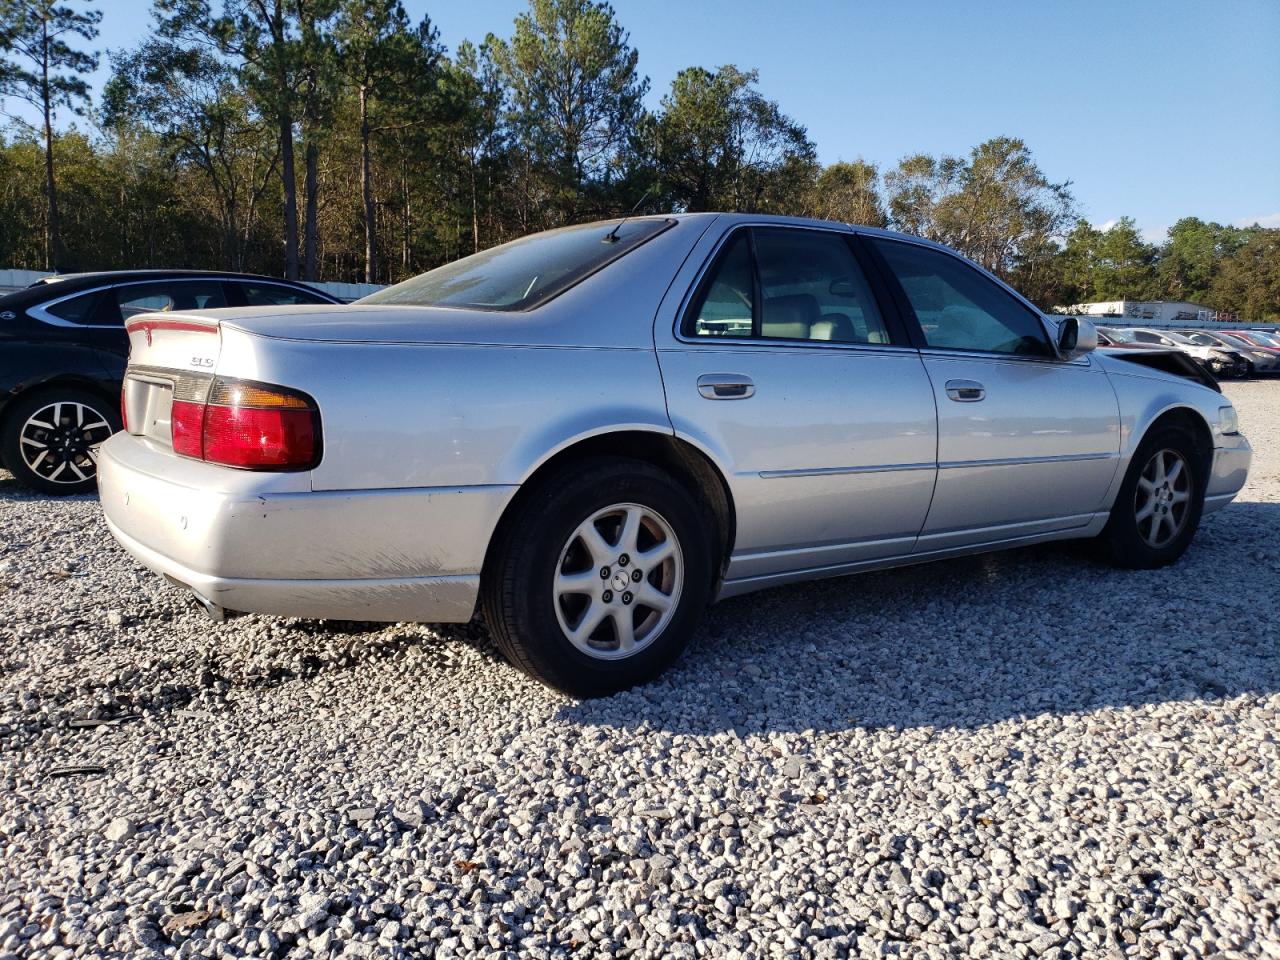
[[787, 284], [526, 272], [75, 309], [960, 309], [270, 295], [135, 298], [728, 305]]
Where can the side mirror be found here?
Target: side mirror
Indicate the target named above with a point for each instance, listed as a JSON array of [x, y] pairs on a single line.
[[1076, 337]]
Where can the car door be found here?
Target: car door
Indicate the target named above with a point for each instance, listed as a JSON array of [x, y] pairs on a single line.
[[1028, 443], [785, 368]]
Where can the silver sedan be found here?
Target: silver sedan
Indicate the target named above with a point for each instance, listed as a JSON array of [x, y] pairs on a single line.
[[591, 433]]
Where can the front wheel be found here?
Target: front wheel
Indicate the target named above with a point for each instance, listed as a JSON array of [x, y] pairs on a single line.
[[602, 577], [1160, 502], [51, 438]]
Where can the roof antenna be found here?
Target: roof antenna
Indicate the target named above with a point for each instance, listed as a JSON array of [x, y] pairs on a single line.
[[612, 235]]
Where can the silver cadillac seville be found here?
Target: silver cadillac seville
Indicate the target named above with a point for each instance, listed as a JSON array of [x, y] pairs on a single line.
[[589, 434]]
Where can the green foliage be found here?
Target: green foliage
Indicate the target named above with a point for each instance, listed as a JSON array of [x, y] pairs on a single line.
[[848, 193], [410, 157], [574, 97], [997, 207], [720, 145], [35, 37]]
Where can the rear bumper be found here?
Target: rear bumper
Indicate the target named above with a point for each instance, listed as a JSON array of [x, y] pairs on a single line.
[[263, 543]]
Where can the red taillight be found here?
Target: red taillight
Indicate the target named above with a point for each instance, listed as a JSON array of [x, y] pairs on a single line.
[[247, 437], [124, 411], [186, 420], [252, 426]]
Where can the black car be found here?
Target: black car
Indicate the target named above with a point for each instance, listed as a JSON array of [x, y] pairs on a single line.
[[63, 350]]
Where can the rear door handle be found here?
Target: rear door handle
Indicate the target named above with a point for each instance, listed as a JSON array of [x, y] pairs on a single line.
[[726, 386], [965, 391]]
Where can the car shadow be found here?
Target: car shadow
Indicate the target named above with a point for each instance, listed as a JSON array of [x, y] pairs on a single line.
[[974, 641]]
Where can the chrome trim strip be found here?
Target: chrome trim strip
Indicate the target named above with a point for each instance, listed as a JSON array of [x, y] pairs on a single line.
[[1017, 461], [840, 471], [187, 385], [741, 585]]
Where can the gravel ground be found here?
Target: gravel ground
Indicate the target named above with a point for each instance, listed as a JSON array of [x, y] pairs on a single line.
[[1020, 755]]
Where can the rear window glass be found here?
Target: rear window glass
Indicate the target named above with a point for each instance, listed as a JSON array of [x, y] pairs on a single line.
[[525, 272]]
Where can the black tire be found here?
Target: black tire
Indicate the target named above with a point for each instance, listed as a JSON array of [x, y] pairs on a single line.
[[517, 596], [66, 466], [1123, 540]]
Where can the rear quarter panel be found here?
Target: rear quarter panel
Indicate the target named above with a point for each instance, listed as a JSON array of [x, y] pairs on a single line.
[[447, 415]]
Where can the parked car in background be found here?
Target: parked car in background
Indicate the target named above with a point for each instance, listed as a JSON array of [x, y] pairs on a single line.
[[63, 349], [1220, 361], [1259, 339], [1260, 359], [591, 433]]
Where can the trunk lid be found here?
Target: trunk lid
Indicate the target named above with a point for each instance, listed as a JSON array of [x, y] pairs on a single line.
[[170, 356]]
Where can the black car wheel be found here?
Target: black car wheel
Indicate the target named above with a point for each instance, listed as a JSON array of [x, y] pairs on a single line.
[[1160, 502], [602, 577], [50, 439]]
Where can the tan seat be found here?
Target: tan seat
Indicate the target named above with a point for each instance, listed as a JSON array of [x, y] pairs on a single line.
[[789, 318]]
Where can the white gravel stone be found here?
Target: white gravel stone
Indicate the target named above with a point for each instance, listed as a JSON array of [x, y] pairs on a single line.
[[1022, 755]]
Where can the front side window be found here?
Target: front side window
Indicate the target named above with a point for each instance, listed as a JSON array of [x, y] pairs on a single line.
[[1141, 336], [162, 297], [787, 284], [524, 273], [960, 309]]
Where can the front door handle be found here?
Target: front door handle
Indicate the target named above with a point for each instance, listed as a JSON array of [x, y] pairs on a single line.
[[726, 386], [965, 391]]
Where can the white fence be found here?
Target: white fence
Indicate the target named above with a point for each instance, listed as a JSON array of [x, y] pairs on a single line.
[[11, 280]]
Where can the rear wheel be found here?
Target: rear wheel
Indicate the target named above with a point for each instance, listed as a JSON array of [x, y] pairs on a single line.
[[50, 438], [602, 577], [1159, 505]]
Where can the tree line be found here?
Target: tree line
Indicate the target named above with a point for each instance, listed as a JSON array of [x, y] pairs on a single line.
[[339, 140]]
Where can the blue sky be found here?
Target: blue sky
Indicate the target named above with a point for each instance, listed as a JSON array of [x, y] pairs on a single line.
[[1155, 109]]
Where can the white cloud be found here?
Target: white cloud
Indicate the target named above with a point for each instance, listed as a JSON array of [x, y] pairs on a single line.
[[1270, 220], [1149, 234]]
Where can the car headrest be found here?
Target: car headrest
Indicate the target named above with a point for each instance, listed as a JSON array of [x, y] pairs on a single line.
[[790, 317]]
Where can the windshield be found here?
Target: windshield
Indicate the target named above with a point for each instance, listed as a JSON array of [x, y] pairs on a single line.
[[1120, 336], [525, 272], [1204, 339], [1269, 339]]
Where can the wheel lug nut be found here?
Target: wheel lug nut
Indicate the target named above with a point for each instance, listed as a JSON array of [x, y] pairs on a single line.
[[604, 573], [637, 576], [627, 598], [623, 560], [607, 596]]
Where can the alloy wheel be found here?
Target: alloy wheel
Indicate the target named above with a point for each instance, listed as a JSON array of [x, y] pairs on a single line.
[[1162, 499], [58, 441], [618, 581]]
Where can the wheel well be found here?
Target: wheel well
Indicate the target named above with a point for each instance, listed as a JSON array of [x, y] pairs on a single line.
[[1193, 423], [683, 461], [46, 386]]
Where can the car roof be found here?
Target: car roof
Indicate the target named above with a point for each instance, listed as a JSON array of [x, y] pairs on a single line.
[[59, 285]]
